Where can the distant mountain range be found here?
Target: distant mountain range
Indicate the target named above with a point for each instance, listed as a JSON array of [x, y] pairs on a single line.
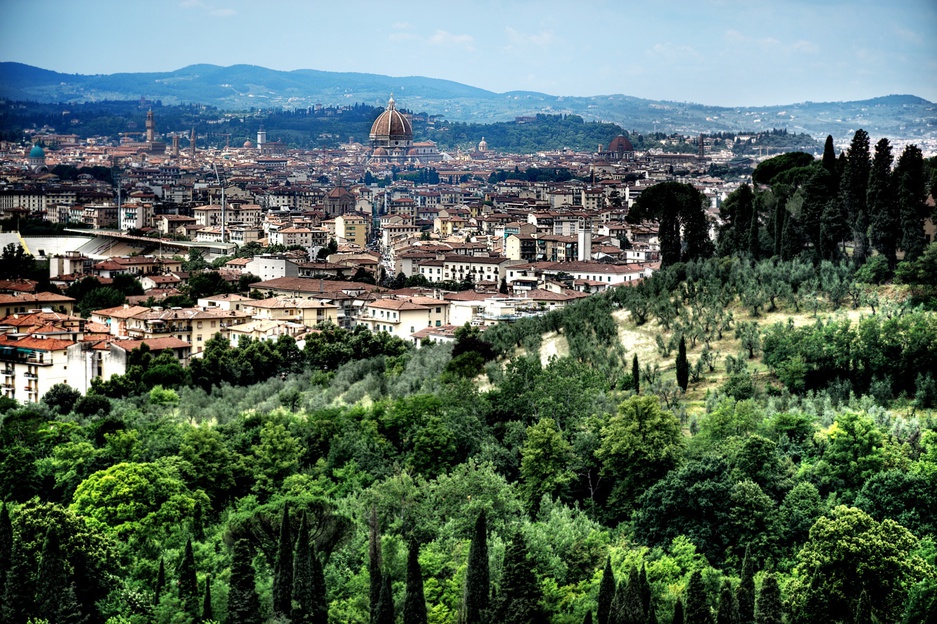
[[241, 87]]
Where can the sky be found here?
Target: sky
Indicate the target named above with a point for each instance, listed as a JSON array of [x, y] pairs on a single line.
[[715, 52]]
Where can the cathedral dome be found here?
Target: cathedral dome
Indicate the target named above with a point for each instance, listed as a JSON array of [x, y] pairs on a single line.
[[391, 127], [248, 144], [37, 152], [620, 144]]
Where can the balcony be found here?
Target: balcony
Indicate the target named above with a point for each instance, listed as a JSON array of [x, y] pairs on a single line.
[[7, 384], [8, 372], [30, 375]]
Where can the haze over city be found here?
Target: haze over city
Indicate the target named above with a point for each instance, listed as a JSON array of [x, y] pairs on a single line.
[[718, 52]]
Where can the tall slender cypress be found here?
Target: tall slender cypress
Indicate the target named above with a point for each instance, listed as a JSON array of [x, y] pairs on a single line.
[[19, 591], [6, 545], [374, 563], [309, 605], [635, 377], [414, 604], [55, 594], [385, 603], [854, 189], [283, 570], [863, 610], [683, 366], [728, 612], [188, 583], [633, 607], [606, 589], [884, 219], [746, 590], [207, 612], [678, 617], [645, 587], [829, 155], [243, 602], [588, 618], [477, 592], [519, 599], [160, 581], [697, 606], [651, 615], [768, 609], [754, 238], [911, 188]]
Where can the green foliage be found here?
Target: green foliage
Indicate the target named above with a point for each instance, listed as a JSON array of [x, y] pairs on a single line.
[[684, 229], [768, 170], [518, 600], [477, 593], [136, 500], [769, 609], [243, 602], [543, 463], [697, 602], [849, 553], [187, 583], [414, 604], [606, 593], [639, 445], [283, 568]]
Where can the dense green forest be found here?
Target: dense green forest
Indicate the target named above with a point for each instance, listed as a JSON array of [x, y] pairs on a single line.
[[748, 436]]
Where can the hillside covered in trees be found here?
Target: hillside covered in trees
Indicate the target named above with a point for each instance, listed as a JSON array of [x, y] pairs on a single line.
[[748, 436]]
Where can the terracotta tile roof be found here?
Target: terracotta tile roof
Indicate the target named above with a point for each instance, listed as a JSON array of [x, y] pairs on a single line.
[[155, 344], [37, 344]]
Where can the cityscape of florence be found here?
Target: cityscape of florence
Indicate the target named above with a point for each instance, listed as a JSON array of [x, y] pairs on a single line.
[[482, 313]]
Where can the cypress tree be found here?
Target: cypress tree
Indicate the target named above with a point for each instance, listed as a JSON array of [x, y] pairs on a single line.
[[607, 588], [854, 190], [520, 596], [678, 613], [633, 608], [746, 590], [414, 605], [683, 366], [308, 593], [697, 606], [616, 614], [476, 595], [754, 242], [160, 581], [863, 610], [636, 380], [243, 603], [188, 583], [283, 570], [651, 615], [374, 563], [588, 618], [792, 242], [645, 588], [829, 155], [207, 612], [728, 612], [884, 219], [19, 591], [768, 607], [780, 218], [6, 545], [55, 594], [911, 186], [385, 603]]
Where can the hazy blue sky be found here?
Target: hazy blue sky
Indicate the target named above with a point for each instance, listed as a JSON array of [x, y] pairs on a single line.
[[723, 52]]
